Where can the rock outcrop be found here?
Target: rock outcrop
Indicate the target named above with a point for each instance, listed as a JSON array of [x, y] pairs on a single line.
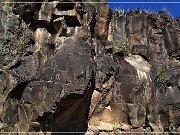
[[83, 67]]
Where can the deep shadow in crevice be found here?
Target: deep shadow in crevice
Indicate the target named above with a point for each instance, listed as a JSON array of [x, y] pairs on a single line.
[[16, 65], [51, 27], [1, 72], [144, 56], [45, 121], [29, 53], [65, 6], [31, 41], [17, 92], [121, 54], [92, 25], [72, 21], [73, 111], [110, 51], [72, 115], [168, 83]]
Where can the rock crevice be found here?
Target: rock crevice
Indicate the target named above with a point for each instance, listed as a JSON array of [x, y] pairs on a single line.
[[83, 67]]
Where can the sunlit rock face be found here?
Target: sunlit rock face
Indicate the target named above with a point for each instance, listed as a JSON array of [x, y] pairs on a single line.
[[83, 67]]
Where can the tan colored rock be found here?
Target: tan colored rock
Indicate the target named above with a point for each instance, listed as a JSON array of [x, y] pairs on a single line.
[[105, 126], [139, 63], [106, 115], [119, 113], [95, 120], [103, 21], [82, 32], [94, 101], [110, 31]]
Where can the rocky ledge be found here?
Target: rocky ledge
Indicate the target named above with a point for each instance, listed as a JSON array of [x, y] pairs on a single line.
[[83, 67]]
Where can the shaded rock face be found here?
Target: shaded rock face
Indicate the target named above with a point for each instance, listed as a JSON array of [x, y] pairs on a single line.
[[82, 67]]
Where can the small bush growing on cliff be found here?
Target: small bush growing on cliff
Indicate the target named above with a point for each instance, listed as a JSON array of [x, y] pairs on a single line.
[[162, 72], [123, 46], [161, 75]]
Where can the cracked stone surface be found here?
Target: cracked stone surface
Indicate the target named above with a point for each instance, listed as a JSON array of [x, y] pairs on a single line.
[[83, 67]]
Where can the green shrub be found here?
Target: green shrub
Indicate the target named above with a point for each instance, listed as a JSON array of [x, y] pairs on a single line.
[[161, 75], [123, 46]]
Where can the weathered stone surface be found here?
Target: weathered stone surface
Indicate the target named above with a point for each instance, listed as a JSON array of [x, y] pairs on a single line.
[[15, 40], [103, 20], [171, 40], [82, 67], [60, 79]]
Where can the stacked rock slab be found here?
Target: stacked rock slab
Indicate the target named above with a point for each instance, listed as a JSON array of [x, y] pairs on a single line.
[[78, 66]]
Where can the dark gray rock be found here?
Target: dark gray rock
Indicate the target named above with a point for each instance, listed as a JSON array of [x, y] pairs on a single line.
[[81, 67]]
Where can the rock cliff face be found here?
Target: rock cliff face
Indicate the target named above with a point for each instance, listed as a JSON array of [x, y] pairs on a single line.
[[82, 67]]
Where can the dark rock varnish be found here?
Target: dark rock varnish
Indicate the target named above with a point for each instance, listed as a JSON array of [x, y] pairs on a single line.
[[83, 67]]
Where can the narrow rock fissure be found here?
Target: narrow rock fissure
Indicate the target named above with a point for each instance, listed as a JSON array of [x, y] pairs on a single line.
[[18, 90], [16, 65]]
